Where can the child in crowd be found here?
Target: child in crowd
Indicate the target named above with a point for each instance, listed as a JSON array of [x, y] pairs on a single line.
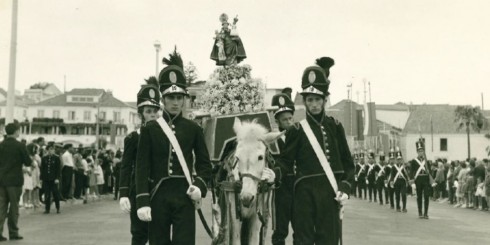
[[99, 176], [470, 189]]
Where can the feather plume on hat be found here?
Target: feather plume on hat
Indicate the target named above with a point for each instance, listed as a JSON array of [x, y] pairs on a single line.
[[174, 59], [325, 63], [152, 81]]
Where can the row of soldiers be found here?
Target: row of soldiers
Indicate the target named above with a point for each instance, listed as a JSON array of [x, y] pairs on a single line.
[[393, 178]]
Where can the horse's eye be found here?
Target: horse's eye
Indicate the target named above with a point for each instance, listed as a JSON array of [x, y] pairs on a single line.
[[261, 158]]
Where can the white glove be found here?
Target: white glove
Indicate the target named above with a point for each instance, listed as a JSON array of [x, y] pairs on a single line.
[[367, 182], [413, 187], [124, 204], [342, 198], [144, 214], [268, 175], [434, 184], [456, 184], [194, 193]]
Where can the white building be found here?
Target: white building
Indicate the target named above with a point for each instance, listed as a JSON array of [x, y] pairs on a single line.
[[42, 91]]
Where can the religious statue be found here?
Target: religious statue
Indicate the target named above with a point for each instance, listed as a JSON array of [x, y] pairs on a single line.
[[228, 48]]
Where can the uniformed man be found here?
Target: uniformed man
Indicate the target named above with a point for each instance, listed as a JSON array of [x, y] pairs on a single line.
[[399, 181], [148, 103], [316, 216], [361, 172], [353, 191], [167, 161], [372, 171], [283, 196], [390, 192], [381, 177], [421, 180], [50, 176]]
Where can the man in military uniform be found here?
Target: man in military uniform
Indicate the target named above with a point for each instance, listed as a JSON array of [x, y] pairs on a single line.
[[50, 174], [170, 149], [372, 171], [420, 179], [360, 177], [398, 181], [148, 103], [316, 205], [381, 177], [283, 196], [390, 193], [353, 191]]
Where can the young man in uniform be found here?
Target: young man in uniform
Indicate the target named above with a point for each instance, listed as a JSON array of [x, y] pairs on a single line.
[[421, 180], [283, 196], [170, 150], [50, 176], [148, 103], [372, 171], [381, 177], [361, 172], [398, 181], [324, 166], [389, 168], [353, 191]]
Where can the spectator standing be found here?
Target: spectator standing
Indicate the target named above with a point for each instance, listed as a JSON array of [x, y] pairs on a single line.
[[50, 175], [13, 156], [67, 172], [79, 175], [116, 166], [99, 174]]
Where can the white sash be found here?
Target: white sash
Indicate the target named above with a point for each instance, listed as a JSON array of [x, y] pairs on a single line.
[[371, 166], [175, 144], [399, 172], [421, 167], [321, 156], [361, 167], [381, 170]]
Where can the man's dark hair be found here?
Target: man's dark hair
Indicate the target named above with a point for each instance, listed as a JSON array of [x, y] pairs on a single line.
[[50, 146], [11, 128], [67, 146]]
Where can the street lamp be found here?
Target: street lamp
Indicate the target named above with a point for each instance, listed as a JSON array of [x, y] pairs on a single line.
[[157, 49]]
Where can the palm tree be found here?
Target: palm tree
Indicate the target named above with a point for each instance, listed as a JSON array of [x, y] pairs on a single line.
[[469, 118]]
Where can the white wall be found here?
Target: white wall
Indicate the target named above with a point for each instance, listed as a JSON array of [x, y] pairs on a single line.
[[457, 148], [20, 112], [395, 118], [85, 140]]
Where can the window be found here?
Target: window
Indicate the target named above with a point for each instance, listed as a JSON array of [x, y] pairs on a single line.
[[71, 115], [443, 144], [56, 114], [102, 115], [83, 99], [117, 116], [87, 115], [74, 99], [90, 99], [40, 113]]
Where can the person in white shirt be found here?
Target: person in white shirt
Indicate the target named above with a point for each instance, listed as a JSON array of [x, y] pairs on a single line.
[[67, 172]]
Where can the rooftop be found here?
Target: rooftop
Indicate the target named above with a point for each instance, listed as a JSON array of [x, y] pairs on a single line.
[[107, 99]]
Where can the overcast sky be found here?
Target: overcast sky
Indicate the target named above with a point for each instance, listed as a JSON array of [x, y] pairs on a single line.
[[417, 51]]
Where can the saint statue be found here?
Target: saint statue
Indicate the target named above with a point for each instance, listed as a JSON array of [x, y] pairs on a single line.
[[228, 48]]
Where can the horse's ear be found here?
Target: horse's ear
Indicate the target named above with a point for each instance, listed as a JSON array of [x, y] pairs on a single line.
[[237, 125], [269, 138]]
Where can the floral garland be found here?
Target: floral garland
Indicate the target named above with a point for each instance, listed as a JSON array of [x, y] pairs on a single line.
[[232, 90]]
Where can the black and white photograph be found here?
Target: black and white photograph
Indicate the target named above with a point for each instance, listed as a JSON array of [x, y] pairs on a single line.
[[227, 122]]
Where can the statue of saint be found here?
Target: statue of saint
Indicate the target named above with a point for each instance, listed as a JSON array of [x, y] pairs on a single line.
[[228, 47]]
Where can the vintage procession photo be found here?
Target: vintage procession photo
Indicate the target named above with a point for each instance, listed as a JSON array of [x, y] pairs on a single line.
[[244, 122]]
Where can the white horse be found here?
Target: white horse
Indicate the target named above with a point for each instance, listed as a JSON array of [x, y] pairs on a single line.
[[245, 166]]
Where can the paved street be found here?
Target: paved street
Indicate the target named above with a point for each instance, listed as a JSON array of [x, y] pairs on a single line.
[[365, 223]]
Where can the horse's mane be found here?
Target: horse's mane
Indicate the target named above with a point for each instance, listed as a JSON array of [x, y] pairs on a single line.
[[250, 131]]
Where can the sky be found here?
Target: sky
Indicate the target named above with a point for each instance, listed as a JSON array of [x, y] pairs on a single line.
[[419, 51]]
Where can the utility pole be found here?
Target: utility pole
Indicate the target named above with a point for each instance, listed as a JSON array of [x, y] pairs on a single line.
[[364, 81], [482, 104], [369, 85], [9, 117], [64, 83]]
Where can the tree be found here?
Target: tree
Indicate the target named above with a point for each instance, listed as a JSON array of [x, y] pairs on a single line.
[[190, 72], [469, 118]]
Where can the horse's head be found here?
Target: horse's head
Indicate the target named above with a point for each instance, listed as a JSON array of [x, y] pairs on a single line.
[[250, 154]]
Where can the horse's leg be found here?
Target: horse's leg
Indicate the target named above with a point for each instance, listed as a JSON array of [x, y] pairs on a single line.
[[234, 223], [254, 229]]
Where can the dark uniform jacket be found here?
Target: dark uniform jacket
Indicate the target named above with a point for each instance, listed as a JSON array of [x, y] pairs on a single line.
[[361, 172], [50, 167], [372, 171], [331, 137], [383, 172], [288, 170], [13, 156], [156, 159], [414, 166], [126, 181], [404, 174]]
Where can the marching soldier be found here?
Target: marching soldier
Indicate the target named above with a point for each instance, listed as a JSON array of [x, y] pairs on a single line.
[[372, 171], [283, 196], [361, 173], [353, 192], [148, 103], [170, 150], [324, 166], [381, 177], [421, 180], [390, 192], [399, 181], [50, 176]]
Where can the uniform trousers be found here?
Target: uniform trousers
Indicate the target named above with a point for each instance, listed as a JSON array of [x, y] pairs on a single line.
[[380, 186], [139, 229], [372, 190], [173, 214], [9, 208], [422, 184], [401, 190], [361, 187], [283, 201], [354, 189], [51, 188], [391, 194], [315, 212]]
